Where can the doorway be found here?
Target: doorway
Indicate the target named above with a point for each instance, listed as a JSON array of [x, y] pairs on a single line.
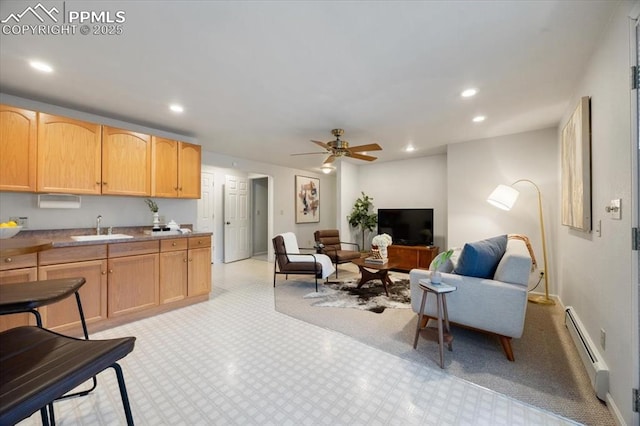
[[260, 217]]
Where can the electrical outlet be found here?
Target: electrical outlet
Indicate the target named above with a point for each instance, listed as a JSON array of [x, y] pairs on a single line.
[[20, 220], [603, 338]]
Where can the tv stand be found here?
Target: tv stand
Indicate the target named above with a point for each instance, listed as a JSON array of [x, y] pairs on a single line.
[[411, 257]]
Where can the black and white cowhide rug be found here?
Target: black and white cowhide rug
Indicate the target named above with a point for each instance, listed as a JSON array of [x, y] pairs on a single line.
[[370, 296]]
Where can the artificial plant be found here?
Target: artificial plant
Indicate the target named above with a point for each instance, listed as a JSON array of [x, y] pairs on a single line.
[[361, 217]]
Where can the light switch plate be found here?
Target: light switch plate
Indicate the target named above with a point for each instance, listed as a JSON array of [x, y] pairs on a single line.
[[615, 211]]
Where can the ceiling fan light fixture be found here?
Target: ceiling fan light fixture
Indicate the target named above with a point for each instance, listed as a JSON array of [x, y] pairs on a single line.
[[327, 168], [469, 93]]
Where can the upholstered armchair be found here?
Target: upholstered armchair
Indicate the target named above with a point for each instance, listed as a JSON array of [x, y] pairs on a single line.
[[289, 260], [328, 242]]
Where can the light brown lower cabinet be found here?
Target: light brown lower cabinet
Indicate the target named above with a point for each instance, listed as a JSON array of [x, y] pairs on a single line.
[[17, 269], [93, 294], [199, 269], [173, 270], [121, 279], [133, 283]]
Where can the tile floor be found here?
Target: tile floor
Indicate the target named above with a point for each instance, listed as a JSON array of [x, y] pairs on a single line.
[[234, 360]]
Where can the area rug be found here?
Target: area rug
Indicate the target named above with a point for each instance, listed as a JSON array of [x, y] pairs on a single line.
[[547, 371], [370, 297]]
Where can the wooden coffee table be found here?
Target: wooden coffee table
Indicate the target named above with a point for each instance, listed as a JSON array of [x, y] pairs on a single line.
[[374, 271]]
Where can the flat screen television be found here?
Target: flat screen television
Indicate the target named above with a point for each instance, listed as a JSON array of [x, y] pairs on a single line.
[[407, 227]]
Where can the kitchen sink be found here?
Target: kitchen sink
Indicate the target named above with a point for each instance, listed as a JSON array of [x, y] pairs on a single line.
[[100, 237]]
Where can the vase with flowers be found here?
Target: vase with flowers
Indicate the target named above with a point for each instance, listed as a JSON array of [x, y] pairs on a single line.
[[381, 242], [154, 209]]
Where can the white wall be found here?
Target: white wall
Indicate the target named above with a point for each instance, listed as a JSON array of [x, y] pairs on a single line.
[[595, 273], [348, 191], [415, 183], [282, 198], [475, 168]]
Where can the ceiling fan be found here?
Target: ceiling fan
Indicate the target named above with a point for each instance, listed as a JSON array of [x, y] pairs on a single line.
[[340, 148]]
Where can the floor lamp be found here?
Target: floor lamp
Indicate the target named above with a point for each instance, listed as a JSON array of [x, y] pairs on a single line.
[[504, 197]]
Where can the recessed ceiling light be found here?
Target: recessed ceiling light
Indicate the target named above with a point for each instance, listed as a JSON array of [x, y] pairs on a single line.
[[41, 66], [479, 119], [410, 148], [469, 93], [176, 108]]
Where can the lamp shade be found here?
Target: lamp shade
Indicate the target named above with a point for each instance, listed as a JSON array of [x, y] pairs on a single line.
[[503, 197]]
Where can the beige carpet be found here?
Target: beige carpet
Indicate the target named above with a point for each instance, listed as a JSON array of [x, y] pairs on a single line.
[[547, 372]]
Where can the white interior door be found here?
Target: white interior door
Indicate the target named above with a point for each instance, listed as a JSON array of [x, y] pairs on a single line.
[[206, 206], [237, 237]]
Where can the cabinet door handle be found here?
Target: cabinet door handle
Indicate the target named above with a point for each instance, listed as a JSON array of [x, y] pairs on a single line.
[[111, 271], [173, 244], [184, 260], [104, 183], [97, 183], [8, 260], [104, 272]]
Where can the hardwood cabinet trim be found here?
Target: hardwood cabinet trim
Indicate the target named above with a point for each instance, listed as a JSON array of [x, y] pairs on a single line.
[[17, 262], [173, 244], [72, 254], [199, 242], [133, 248]]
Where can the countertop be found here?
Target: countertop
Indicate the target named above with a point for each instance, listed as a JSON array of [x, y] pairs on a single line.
[[62, 237]]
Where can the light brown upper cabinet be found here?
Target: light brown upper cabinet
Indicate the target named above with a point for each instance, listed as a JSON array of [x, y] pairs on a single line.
[[18, 143], [126, 162], [69, 155], [175, 169]]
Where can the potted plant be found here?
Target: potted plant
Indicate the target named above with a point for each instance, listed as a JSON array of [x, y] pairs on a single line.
[[361, 217], [154, 209], [441, 259]]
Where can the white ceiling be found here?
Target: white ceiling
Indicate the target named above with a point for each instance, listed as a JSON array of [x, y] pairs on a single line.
[[258, 80]]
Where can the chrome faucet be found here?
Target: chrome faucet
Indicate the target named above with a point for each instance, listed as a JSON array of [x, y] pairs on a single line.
[[98, 219]]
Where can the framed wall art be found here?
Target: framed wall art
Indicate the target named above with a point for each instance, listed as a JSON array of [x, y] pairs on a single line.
[[576, 168], [307, 199]]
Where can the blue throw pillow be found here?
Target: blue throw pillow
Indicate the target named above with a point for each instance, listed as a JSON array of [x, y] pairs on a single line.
[[480, 259]]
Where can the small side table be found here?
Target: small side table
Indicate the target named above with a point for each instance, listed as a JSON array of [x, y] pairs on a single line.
[[440, 290]]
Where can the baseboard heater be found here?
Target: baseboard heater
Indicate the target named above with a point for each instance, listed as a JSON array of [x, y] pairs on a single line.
[[593, 361]]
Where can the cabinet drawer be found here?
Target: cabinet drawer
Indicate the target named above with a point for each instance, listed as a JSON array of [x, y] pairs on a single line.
[[17, 262], [73, 254], [173, 244], [199, 242], [133, 249]]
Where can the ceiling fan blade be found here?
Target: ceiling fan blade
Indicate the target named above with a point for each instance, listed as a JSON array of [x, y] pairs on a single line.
[[361, 157], [330, 159], [310, 153], [369, 147], [322, 144]]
